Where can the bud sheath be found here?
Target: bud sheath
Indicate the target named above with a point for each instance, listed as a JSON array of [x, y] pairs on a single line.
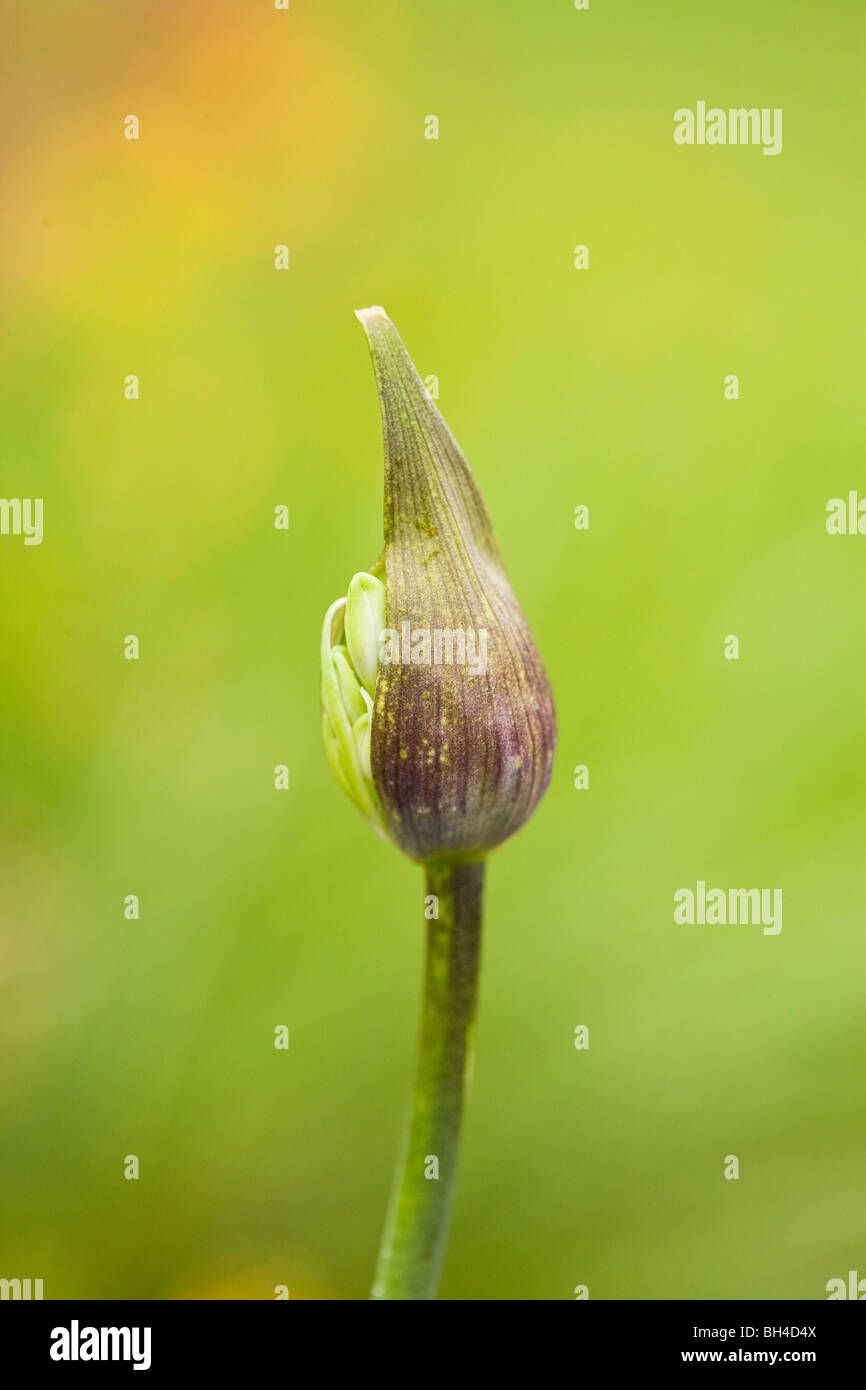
[[461, 750]]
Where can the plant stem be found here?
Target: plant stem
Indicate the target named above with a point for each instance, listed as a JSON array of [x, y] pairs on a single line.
[[416, 1228]]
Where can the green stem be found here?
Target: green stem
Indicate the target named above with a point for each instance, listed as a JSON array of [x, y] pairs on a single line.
[[416, 1228]]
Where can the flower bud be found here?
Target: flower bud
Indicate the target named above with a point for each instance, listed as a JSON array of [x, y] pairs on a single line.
[[463, 729]]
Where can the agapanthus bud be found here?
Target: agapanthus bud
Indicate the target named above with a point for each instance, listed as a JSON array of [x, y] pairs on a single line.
[[463, 728]]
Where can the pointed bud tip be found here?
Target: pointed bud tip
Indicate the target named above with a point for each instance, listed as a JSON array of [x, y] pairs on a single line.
[[370, 315]]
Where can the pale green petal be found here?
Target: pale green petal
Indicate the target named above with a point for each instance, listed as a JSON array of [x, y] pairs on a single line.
[[361, 733], [347, 708], [350, 688], [335, 711], [364, 622], [332, 750]]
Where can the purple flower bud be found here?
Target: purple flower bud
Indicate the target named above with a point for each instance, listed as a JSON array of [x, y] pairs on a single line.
[[463, 724]]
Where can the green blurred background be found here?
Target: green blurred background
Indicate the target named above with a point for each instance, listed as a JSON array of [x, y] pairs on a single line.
[[602, 387]]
